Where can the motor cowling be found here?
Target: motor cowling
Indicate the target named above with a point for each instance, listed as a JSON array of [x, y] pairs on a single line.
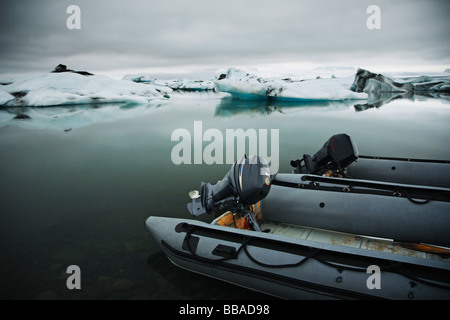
[[246, 183], [336, 154]]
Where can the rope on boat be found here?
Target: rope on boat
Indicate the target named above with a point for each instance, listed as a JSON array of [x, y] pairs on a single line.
[[412, 193], [394, 268]]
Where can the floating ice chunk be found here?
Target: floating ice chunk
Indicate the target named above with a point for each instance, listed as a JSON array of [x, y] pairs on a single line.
[[72, 88], [247, 86], [139, 78], [174, 84], [186, 84], [369, 82], [379, 85]]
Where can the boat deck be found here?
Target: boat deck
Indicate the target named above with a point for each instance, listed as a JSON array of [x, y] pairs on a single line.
[[350, 240]]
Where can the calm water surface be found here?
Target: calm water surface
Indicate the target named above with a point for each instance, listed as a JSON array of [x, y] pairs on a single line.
[[77, 190]]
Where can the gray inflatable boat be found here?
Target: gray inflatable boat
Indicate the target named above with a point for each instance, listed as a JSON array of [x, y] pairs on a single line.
[[329, 230]]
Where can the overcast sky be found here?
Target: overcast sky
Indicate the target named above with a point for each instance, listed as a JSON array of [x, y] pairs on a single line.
[[178, 35]]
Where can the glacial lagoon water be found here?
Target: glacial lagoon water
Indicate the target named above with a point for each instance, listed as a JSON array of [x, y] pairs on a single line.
[[76, 189]]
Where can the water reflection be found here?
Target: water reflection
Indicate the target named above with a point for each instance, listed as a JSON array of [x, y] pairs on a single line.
[[70, 117], [378, 99], [228, 106]]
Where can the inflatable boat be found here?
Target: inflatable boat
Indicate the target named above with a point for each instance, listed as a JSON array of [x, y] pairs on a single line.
[[340, 226]]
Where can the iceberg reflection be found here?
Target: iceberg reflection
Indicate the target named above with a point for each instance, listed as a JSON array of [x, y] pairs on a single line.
[[71, 117], [229, 106]]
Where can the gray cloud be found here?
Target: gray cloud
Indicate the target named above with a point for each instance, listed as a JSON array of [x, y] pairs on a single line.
[[144, 34]]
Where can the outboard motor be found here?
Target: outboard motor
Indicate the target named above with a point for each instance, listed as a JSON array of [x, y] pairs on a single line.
[[336, 154], [246, 183]]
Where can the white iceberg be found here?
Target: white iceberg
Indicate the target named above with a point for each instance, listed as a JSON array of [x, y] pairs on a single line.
[[243, 85], [174, 84], [68, 88], [186, 84]]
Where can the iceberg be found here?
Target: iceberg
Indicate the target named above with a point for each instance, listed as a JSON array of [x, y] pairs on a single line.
[[369, 82], [68, 88], [429, 85], [174, 84], [186, 84], [243, 85], [382, 89]]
